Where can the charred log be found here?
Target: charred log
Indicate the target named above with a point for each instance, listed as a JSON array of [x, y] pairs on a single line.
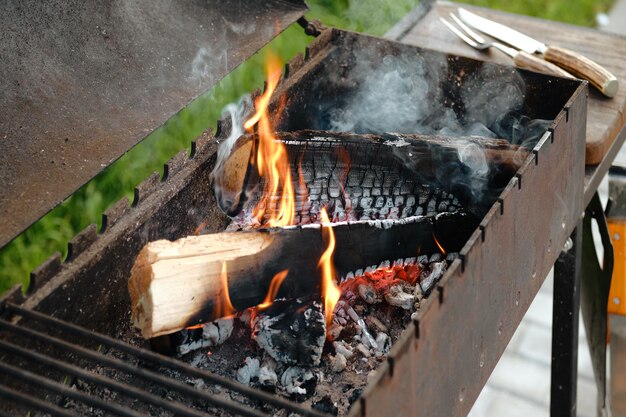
[[375, 176], [179, 284]]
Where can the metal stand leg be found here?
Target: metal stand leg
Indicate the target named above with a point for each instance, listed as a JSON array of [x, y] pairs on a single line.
[[618, 365], [566, 303]]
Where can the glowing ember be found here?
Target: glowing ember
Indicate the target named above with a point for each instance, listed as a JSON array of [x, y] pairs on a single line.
[[271, 159], [382, 278], [330, 291], [223, 306], [274, 287]]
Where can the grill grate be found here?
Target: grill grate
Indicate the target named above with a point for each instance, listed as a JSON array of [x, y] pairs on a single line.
[[34, 338]]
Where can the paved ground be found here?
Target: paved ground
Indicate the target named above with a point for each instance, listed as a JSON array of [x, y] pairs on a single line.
[[520, 383]]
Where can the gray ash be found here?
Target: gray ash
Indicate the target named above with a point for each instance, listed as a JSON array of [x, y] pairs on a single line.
[[292, 332]]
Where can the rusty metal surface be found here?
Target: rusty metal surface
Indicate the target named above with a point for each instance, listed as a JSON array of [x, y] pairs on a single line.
[[81, 83]]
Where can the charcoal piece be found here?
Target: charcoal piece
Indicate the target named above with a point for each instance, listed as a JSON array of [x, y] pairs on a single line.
[[291, 332], [325, 405], [383, 342], [368, 294], [335, 330], [338, 362], [397, 297], [435, 257], [213, 334], [300, 383], [343, 349], [249, 371], [429, 278], [267, 375]]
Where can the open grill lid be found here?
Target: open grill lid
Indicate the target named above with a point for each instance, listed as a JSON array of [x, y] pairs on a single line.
[[81, 83]]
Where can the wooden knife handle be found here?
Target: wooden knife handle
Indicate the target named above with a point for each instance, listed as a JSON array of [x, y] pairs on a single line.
[[534, 63], [583, 68]]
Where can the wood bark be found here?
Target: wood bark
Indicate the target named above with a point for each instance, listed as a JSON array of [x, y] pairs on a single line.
[[178, 284]]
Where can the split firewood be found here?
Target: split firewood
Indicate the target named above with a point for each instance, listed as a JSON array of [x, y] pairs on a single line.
[[197, 279], [417, 160]]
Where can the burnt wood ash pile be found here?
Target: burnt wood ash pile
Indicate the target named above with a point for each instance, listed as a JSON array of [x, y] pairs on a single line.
[[287, 349]]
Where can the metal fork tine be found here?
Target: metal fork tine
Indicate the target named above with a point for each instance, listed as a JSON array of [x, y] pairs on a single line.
[[458, 33], [467, 30]]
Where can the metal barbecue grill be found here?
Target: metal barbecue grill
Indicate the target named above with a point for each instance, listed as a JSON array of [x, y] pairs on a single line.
[[69, 349], [81, 306]]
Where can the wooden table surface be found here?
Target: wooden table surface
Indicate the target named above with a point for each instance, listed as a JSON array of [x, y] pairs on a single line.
[[605, 117]]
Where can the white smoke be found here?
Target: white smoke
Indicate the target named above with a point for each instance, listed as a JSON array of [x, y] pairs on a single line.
[[238, 113], [405, 93]]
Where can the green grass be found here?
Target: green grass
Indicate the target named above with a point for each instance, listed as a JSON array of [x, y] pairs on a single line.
[[53, 231]]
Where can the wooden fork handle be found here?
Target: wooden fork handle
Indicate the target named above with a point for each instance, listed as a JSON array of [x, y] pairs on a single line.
[[534, 63], [584, 68]]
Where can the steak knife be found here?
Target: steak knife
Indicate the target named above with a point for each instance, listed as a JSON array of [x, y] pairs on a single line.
[[569, 60]]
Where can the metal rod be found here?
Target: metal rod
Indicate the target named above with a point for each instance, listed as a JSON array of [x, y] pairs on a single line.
[[34, 402], [232, 406], [124, 389], [566, 304], [148, 355], [41, 381]]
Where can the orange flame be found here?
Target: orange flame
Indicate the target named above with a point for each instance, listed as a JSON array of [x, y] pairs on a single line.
[[223, 306], [439, 245], [271, 159], [274, 287], [330, 290]]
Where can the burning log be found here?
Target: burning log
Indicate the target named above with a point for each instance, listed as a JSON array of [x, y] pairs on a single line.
[[174, 285], [372, 174]]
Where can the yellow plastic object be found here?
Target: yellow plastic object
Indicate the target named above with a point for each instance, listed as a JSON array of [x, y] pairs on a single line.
[[617, 294]]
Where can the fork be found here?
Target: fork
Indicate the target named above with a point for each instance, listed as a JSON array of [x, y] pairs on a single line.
[[522, 59]]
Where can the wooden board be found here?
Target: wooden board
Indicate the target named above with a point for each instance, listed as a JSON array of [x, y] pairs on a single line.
[[605, 117]]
